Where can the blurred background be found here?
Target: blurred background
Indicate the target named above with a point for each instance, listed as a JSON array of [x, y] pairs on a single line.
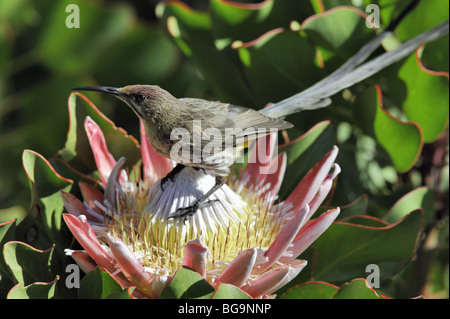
[[133, 42], [118, 43]]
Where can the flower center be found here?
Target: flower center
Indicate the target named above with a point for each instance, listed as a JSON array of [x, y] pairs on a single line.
[[228, 227]]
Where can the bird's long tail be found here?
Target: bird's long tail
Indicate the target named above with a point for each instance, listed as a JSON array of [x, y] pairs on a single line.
[[352, 72]]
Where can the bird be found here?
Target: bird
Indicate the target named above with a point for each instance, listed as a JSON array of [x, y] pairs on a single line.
[[232, 128], [165, 116]]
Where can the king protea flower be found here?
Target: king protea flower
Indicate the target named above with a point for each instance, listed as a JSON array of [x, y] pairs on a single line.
[[247, 238]]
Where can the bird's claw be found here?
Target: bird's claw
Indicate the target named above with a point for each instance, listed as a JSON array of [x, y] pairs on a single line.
[[191, 210]]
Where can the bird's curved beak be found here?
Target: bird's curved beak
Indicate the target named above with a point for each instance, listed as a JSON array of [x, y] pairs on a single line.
[[113, 91], [104, 89]]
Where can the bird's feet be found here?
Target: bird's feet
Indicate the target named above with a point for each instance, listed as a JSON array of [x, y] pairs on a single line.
[[191, 210]]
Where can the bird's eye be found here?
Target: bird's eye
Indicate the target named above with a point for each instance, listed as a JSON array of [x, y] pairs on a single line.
[[139, 97]]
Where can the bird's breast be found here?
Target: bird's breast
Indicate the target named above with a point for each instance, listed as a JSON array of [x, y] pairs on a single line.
[[159, 140]]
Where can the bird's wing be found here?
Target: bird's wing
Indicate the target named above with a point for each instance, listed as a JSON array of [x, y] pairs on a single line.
[[237, 120], [249, 120], [211, 113], [220, 131]]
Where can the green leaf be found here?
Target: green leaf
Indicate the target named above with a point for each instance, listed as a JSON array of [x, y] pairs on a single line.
[[124, 294], [217, 68], [7, 233], [427, 98], [365, 220], [430, 13], [28, 264], [46, 181], [99, 284], [238, 22], [224, 76], [339, 33], [8, 214], [420, 198], [311, 290], [435, 55], [357, 207], [345, 249], [46, 186], [226, 291], [403, 141], [356, 289], [187, 284], [38, 290], [279, 64], [246, 22], [420, 93], [192, 24]]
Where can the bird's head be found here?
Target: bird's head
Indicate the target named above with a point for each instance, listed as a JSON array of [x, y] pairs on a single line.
[[145, 100]]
